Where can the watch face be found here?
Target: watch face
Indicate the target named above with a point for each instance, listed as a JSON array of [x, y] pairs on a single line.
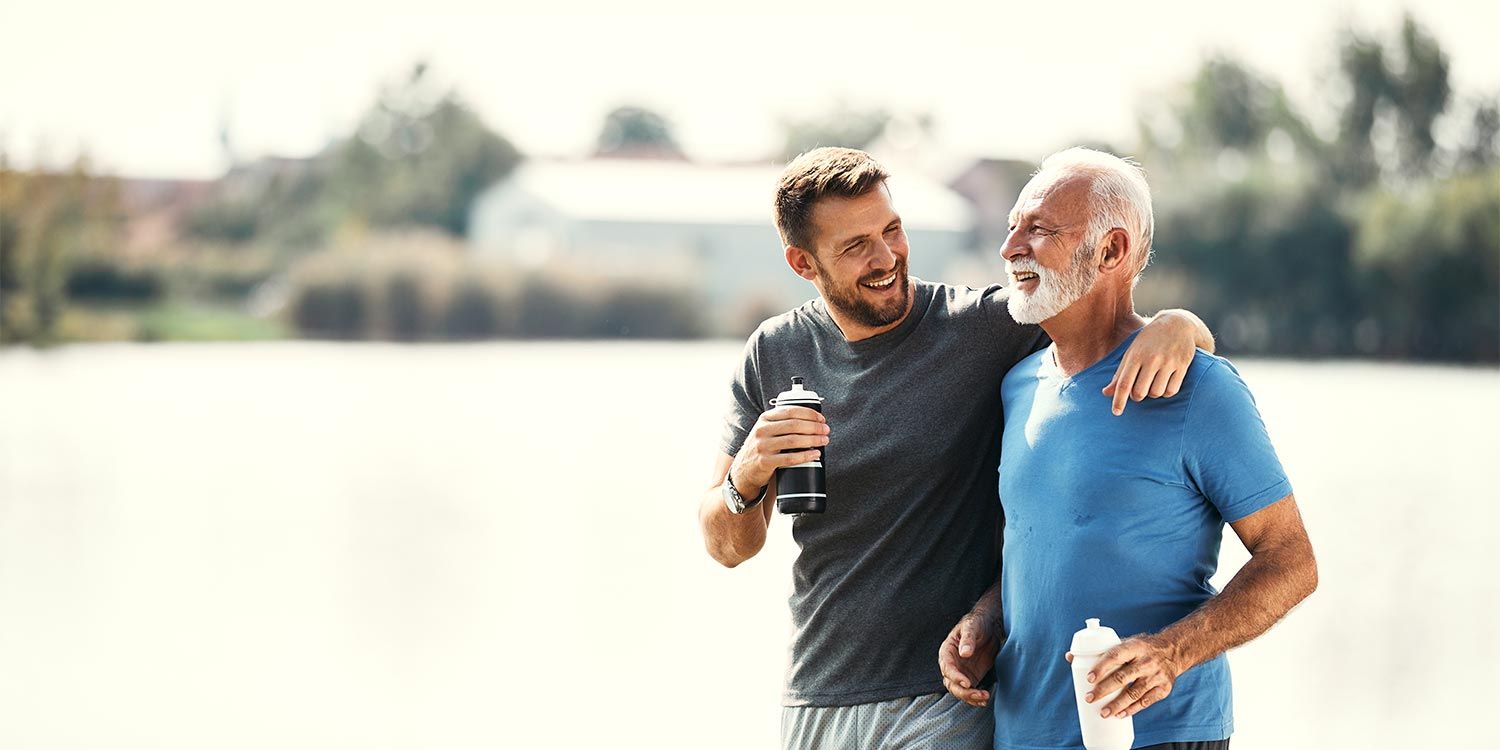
[[732, 499]]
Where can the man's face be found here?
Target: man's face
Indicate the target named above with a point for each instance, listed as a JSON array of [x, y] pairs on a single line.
[[1048, 262], [861, 258]]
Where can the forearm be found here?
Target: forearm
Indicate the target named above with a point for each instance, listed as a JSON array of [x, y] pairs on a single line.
[[1202, 337], [731, 539], [988, 610], [1263, 591]]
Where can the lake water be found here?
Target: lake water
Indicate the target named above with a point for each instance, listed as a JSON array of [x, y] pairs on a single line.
[[307, 545]]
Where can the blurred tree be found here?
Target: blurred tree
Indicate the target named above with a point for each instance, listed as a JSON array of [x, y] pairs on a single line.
[[1367, 81], [419, 158], [843, 125], [637, 132], [1226, 117], [46, 221], [1481, 146], [1431, 261], [1405, 84], [1420, 92]]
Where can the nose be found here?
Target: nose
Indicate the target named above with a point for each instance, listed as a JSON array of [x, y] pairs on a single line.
[[882, 256], [1014, 246]]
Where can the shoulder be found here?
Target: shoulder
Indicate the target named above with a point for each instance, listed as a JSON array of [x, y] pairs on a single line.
[[1214, 383], [958, 300], [798, 321]]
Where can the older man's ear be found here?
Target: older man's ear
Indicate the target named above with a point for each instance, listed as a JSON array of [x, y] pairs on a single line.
[[1116, 253]]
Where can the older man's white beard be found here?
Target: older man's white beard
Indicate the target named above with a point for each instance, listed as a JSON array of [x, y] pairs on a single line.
[[1054, 292]]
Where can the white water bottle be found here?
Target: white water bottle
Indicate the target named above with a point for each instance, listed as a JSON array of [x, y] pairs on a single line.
[[1099, 733]]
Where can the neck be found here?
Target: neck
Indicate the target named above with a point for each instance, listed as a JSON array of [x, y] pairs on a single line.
[[1092, 327], [855, 331]]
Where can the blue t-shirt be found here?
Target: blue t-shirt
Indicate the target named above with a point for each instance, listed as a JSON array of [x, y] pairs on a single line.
[[1118, 518]]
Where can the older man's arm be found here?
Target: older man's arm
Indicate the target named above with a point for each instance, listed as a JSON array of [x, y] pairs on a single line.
[[1281, 572]]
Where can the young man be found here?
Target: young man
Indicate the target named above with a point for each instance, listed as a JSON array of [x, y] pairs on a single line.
[[911, 375], [1119, 518]]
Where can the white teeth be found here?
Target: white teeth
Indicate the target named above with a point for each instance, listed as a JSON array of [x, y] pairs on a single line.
[[885, 282], [1024, 275]]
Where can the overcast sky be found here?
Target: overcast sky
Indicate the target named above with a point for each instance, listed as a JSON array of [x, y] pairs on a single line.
[[144, 86]]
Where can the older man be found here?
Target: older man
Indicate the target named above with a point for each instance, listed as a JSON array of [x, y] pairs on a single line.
[[911, 370], [1119, 518]]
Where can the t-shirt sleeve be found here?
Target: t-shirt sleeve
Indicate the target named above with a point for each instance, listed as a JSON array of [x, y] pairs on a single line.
[[1017, 339], [745, 399], [1226, 449]]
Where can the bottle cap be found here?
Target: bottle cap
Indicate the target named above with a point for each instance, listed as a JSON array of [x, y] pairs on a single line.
[[798, 394], [1094, 639]]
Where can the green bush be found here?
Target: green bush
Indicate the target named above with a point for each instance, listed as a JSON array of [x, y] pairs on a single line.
[[107, 279], [419, 287]]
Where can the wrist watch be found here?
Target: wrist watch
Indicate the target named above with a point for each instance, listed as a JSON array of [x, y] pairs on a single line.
[[732, 498]]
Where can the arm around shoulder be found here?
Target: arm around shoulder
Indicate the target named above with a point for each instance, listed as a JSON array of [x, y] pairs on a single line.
[[1202, 337]]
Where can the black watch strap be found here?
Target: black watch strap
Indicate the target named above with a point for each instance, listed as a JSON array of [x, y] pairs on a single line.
[[734, 500]]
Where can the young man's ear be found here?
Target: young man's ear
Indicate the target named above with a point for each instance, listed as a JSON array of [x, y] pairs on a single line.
[[801, 262]]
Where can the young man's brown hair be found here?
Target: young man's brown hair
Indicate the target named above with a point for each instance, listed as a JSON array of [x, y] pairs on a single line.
[[817, 174]]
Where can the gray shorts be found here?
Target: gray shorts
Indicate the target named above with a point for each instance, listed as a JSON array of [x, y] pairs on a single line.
[[927, 722]]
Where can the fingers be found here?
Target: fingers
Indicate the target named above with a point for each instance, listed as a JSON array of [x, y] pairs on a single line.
[[950, 666], [1127, 706], [1125, 377], [1069, 657], [1143, 378], [1138, 695], [1112, 681], [973, 697], [777, 427], [1175, 384], [1106, 667], [783, 460], [783, 413], [966, 637], [1159, 384], [793, 442]]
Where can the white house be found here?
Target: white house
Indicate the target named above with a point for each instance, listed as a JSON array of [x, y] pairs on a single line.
[[709, 227]]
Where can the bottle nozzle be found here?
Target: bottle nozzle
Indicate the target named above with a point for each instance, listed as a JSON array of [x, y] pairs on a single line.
[[1092, 622], [797, 380]]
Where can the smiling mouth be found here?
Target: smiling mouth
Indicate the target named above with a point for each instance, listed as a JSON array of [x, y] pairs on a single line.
[[1024, 276], [880, 284]]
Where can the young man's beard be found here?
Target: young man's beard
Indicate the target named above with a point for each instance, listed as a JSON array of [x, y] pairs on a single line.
[[1055, 291], [851, 302]]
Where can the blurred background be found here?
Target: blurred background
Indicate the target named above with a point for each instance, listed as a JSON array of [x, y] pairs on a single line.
[[362, 366]]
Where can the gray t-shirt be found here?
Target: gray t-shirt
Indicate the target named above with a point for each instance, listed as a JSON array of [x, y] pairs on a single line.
[[909, 540]]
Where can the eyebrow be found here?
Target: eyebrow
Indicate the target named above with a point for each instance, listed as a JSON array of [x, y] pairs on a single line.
[[1036, 215], [851, 239]]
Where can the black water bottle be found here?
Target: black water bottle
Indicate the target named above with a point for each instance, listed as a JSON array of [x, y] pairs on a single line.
[[800, 488]]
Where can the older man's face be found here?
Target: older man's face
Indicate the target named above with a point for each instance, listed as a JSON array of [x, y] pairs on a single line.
[[1048, 265]]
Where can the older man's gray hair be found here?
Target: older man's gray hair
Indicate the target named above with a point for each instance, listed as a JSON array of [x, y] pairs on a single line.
[[1120, 198]]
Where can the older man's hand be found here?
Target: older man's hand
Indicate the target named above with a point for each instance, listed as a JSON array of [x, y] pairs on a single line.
[[966, 655], [1143, 668], [1156, 361]]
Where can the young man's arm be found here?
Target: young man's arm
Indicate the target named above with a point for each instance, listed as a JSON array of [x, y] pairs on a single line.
[[1158, 359], [1281, 572], [732, 539]]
